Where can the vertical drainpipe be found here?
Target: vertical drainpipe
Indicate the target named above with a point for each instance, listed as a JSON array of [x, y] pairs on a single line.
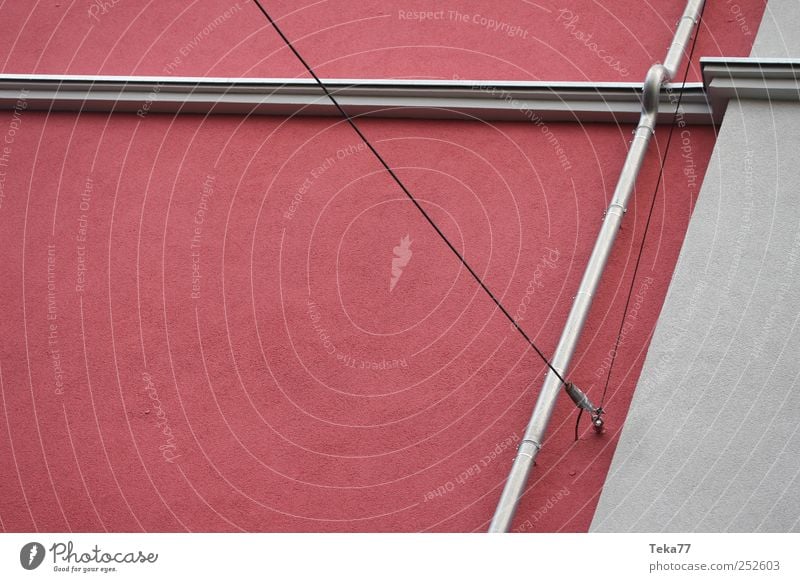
[[534, 434]]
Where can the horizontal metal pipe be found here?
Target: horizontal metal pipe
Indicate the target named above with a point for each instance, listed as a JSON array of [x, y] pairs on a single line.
[[534, 433], [724, 79], [447, 99]]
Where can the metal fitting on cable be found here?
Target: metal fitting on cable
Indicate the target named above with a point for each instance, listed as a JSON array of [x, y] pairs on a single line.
[[581, 400]]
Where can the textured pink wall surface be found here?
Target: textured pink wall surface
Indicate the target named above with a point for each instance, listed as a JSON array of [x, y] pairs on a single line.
[[206, 324], [547, 40]]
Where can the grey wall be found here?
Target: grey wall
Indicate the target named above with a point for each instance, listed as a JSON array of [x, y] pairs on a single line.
[[712, 439], [779, 32]]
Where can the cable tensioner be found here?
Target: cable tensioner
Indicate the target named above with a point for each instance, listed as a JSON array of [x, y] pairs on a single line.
[[582, 401]]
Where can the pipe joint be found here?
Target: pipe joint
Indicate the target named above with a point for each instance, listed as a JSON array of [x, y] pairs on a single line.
[[651, 96], [528, 448], [647, 130], [616, 209]]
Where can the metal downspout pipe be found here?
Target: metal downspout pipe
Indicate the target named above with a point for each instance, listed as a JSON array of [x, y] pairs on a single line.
[[534, 434]]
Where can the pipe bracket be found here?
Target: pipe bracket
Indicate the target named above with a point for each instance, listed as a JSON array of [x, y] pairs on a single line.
[[612, 207], [536, 445], [646, 127]]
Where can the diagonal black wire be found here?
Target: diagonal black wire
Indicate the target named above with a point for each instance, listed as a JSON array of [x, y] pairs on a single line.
[[406, 191], [650, 213]]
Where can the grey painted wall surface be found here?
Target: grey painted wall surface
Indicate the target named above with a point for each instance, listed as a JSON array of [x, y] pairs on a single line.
[[712, 439], [779, 32]]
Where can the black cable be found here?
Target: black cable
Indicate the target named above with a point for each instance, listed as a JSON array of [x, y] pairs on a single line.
[[577, 423], [652, 207], [406, 191]]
